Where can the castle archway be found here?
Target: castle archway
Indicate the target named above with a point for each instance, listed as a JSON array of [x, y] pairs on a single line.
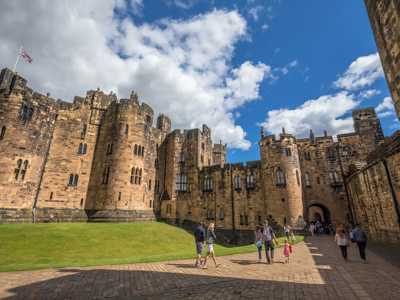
[[318, 212]]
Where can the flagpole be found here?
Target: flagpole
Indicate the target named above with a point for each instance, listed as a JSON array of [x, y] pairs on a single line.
[[16, 62]]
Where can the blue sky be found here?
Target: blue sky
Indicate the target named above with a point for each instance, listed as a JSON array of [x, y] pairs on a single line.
[[234, 65]]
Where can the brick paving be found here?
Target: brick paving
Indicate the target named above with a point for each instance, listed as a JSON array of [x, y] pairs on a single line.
[[316, 271]]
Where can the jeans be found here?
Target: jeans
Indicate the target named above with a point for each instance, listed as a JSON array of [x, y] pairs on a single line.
[[269, 250], [343, 249], [361, 249]]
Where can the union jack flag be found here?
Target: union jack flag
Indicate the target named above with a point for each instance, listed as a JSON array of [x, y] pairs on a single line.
[[25, 56]]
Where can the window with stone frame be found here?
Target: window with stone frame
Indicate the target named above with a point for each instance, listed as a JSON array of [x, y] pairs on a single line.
[[2, 132], [280, 177], [24, 169], [250, 184], [82, 149], [26, 113], [18, 169], [126, 129], [246, 220], [83, 131], [237, 182], [109, 149], [106, 175], [333, 177], [241, 220], [207, 183], [221, 214], [307, 155], [287, 151], [181, 183], [307, 179], [73, 179], [331, 154], [135, 150]]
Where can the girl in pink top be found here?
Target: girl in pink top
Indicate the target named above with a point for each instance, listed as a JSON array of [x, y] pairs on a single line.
[[286, 251]]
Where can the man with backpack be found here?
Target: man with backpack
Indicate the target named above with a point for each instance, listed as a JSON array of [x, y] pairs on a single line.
[[360, 237], [199, 237]]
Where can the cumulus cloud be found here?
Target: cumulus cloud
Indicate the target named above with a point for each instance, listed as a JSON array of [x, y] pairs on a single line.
[[180, 67], [327, 112], [363, 72], [385, 108]]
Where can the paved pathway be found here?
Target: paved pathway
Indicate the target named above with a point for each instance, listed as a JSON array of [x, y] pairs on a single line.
[[316, 271]]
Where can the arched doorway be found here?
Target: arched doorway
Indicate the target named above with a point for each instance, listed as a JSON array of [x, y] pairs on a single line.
[[318, 212]]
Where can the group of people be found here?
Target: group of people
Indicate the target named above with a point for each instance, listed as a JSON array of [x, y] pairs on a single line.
[[318, 227], [265, 235], [357, 235], [201, 236]]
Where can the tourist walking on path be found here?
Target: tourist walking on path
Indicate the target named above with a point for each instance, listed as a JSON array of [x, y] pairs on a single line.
[[312, 228], [342, 241], [211, 239], [360, 237], [199, 236], [286, 229], [258, 239], [269, 239], [287, 250]]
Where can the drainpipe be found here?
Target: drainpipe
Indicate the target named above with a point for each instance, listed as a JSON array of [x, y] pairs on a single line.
[[392, 191]]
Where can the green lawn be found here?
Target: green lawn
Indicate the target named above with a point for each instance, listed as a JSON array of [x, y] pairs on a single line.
[[37, 246]]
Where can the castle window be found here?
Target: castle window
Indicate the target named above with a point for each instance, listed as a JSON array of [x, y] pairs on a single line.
[[288, 151], [142, 151], [210, 215], [26, 113], [202, 159], [246, 219], [307, 155], [136, 175], [333, 176], [82, 149], [331, 154], [83, 131], [151, 204], [81, 202], [297, 177], [241, 220], [169, 208], [109, 149], [318, 180], [250, 181], [119, 196], [2, 132], [135, 150], [106, 175], [51, 196], [280, 177], [23, 170], [236, 181], [73, 179], [140, 176], [207, 184], [149, 184], [126, 129], [307, 179], [18, 168], [259, 219], [181, 182], [221, 214], [132, 175], [156, 163], [148, 119]]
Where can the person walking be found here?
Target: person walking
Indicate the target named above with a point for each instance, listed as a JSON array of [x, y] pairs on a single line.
[[211, 239], [286, 229], [342, 241], [269, 238], [199, 236], [287, 249], [360, 237], [258, 237], [312, 228]]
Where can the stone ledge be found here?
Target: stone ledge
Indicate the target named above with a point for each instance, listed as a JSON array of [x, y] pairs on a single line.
[[120, 215]]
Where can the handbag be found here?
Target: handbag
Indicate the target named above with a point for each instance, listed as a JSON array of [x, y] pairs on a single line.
[[259, 244]]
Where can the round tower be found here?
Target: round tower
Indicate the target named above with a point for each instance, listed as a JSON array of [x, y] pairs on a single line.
[[281, 175]]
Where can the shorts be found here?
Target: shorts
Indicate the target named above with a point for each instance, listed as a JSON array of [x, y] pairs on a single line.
[[210, 248], [199, 248]]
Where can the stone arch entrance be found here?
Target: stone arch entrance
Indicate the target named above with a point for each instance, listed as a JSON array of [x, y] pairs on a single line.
[[318, 212]]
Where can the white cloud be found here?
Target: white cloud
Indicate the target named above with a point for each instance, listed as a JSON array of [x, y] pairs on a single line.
[[255, 11], [385, 108], [324, 113], [277, 72], [184, 4], [264, 27], [369, 93], [363, 72], [180, 67]]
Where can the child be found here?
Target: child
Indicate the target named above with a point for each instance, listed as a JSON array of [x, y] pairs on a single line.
[[287, 249], [259, 241]]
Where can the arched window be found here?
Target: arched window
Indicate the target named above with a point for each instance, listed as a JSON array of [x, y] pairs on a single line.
[[280, 177], [236, 181], [307, 179], [71, 180], [297, 177], [80, 148], [2, 132], [18, 168], [135, 149], [24, 168]]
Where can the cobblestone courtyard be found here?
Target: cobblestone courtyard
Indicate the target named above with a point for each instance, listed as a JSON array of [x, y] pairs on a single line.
[[316, 271]]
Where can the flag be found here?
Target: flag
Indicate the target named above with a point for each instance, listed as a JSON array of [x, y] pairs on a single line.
[[25, 56]]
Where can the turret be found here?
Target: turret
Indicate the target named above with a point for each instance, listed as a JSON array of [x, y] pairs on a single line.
[[164, 123]]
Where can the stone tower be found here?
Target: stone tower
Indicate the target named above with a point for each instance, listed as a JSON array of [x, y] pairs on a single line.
[[281, 178], [384, 16]]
